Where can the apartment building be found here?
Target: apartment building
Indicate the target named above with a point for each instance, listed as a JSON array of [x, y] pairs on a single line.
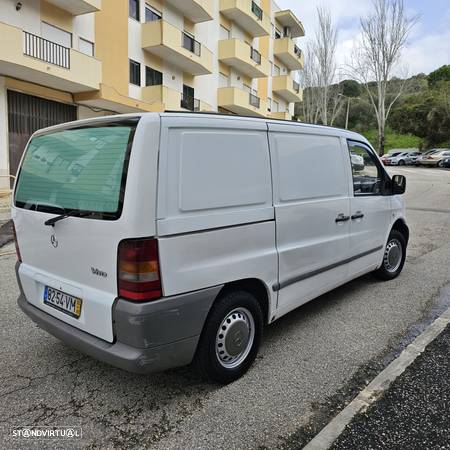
[[61, 60]]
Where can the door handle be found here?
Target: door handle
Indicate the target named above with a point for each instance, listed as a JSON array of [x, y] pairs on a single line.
[[342, 218], [358, 215]]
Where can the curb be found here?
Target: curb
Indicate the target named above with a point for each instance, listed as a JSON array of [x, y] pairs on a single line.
[[325, 438]]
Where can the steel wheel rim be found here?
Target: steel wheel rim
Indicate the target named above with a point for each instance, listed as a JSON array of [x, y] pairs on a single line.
[[393, 255], [235, 337]]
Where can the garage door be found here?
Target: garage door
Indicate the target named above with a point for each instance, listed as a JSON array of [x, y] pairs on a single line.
[[26, 114]]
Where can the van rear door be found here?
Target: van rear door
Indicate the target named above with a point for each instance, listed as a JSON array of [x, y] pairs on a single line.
[[82, 176]]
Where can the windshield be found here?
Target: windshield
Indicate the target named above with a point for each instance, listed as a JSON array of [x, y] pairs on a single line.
[[78, 170]]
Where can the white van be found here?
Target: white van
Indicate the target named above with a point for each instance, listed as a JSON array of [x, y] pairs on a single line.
[[154, 240]]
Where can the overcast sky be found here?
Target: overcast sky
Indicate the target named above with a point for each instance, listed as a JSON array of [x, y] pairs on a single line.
[[429, 43]]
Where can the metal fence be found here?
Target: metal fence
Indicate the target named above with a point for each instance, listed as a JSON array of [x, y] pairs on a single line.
[[189, 43], [46, 50], [254, 100]]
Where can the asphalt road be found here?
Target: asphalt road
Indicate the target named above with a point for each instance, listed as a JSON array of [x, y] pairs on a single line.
[[311, 363], [413, 413]]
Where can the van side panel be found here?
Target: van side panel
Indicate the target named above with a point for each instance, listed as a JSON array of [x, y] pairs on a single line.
[[311, 191], [215, 217], [214, 172]]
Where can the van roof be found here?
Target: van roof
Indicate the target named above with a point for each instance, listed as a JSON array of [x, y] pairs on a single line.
[[118, 117]]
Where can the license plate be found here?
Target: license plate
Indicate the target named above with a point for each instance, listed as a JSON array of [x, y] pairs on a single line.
[[63, 302]]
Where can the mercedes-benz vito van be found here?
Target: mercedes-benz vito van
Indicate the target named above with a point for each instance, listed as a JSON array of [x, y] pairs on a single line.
[[154, 240]]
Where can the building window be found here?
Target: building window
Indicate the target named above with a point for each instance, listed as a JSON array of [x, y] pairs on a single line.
[[188, 101], [153, 77], [133, 9], [135, 73], [224, 33], [276, 70], [152, 14], [224, 80], [86, 47], [56, 35], [277, 33], [189, 43]]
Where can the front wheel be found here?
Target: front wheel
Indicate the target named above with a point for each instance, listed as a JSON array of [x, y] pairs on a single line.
[[393, 258], [401, 162], [440, 164], [231, 337]]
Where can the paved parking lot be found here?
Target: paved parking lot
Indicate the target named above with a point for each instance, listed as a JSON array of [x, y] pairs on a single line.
[[311, 363]]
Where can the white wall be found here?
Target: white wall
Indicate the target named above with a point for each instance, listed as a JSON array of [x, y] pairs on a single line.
[[27, 18], [4, 157]]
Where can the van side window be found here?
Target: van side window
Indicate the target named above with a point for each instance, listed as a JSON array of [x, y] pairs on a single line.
[[367, 176], [309, 167]]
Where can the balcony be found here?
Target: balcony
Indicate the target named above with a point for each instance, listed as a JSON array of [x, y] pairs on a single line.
[[241, 102], [288, 19], [196, 11], [163, 98], [176, 47], [242, 57], [77, 7], [287, 88], [31, 58], [288, 53], [248, 15], [280, 115]]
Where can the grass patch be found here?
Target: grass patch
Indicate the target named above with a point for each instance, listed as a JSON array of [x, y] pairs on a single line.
[[394, 140]]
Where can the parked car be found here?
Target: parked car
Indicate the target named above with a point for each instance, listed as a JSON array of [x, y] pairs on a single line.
[[357, 162], [436, 159], [385, 159], [413, 157], [424, 155], [400, 159], [185, 234]]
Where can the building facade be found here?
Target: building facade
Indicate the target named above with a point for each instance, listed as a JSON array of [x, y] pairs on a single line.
[[63, 60]]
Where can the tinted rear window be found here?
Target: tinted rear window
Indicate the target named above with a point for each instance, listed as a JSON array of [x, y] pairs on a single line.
[[82, 169]]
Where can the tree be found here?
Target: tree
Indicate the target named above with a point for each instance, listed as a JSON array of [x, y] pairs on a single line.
[[321, 99], [441, 74], [384, 34], [324, 52]]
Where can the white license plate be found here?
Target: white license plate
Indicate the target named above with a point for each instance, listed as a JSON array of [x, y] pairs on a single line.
[[63, 302]]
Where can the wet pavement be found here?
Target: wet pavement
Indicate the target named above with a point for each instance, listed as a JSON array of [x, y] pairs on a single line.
[[414, 413]]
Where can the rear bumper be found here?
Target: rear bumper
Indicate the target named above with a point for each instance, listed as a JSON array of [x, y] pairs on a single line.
[[149, 337]]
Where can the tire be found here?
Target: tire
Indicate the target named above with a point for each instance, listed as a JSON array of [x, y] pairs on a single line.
[[241, 312], [401, 162], [391, 267], [440, 164]]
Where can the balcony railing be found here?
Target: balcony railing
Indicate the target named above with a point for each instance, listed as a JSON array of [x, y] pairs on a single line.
[[257, 11], [189, 43], [296, 87], [190, 103], [45, 50], [255, 55], [254, 100]]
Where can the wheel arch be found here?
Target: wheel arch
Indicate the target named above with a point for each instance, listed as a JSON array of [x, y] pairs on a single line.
[[400, 226], [254, 286]]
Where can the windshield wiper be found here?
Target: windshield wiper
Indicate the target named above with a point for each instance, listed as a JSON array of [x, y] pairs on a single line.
[[74, 213]]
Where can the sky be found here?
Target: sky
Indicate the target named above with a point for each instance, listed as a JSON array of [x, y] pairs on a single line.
[[428, 47]]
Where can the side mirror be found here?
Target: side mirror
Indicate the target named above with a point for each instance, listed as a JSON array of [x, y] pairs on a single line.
[[398, 184]]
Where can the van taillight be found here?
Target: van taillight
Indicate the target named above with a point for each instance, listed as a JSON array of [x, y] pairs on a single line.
[[19, 257], [138, 270]]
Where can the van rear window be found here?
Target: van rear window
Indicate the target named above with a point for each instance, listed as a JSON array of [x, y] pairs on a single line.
[[79, 169]]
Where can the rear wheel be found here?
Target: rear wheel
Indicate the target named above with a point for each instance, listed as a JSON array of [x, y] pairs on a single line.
[[401, 162], [231, 337], [393, 257], [440, 164]]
